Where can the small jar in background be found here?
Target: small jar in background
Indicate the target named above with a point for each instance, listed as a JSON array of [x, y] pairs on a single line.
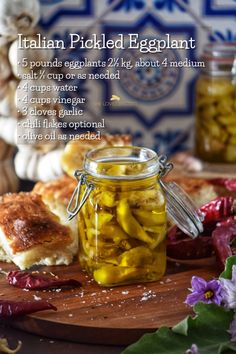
[[215, 132]]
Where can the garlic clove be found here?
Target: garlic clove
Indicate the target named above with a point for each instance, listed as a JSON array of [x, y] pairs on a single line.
[[33, 56], [33, 165], [8, 129], [18, 16], [26, 163], [49, 167], [24, 21]]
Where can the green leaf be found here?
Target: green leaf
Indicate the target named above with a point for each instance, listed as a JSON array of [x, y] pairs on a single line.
[[182, 327], [208, 330], [227, 273]]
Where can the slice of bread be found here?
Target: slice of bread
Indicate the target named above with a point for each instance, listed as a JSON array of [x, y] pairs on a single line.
[[56, 195], [75, 151], [30, 234]]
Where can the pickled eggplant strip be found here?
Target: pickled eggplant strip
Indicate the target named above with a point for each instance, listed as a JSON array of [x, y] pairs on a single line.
[[129, 224]]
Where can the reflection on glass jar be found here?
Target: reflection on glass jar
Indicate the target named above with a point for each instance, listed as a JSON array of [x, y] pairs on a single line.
[[122, 224], [216, 105]]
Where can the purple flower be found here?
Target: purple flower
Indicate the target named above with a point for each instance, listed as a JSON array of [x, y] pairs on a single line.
[[192, 350], [229, 286], [208, 292], [232, 329]]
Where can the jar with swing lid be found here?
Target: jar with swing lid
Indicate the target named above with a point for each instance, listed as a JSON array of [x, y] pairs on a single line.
[[121, 205]]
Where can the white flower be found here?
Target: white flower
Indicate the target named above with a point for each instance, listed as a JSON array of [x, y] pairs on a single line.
[[193, 349], [229, 286]]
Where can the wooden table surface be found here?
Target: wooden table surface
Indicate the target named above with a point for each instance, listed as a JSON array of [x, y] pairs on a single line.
[[32, 344], [48, 337]]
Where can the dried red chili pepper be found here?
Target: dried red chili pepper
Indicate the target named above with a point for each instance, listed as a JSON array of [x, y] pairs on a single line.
[[19, 308], [222, 238], [226, 221], [181, 246], [229, 184], [26, 280], [218, 209]]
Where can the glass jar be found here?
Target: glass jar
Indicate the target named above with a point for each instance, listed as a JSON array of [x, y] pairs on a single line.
[[122, 215], [215, 134]]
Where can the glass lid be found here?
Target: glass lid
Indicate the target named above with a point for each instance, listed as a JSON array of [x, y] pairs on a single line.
[[181, 210]]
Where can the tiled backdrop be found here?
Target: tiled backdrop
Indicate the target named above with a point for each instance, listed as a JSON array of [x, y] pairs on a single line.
[[158, 106]]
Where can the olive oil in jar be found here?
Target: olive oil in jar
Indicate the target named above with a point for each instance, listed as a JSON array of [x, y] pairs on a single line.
[[215, 134], [123, 222], [121, 204]]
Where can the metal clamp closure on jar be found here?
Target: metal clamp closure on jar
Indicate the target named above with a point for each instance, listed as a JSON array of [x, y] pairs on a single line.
[[82, 180], [180, 208]]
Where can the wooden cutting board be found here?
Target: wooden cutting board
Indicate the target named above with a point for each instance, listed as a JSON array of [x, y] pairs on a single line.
[[208, 171], [118, 316]]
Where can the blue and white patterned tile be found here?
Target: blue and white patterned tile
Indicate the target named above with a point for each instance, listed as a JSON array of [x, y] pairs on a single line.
[[157, 105], [147, 95], [125, 11], [220, 7], [172, 12], [53, 11], [227, 34]]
